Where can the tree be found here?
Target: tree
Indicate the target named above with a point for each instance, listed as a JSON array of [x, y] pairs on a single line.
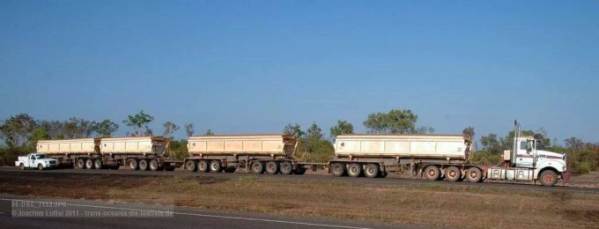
[[169, 129], [209, 132], [294, 130], [38, 133], [139, 122], [491, 144], [106, 127], [314, 132], [395, 121], [189, 129], [313, 146], [425, 130], [342, 127], [574, 144], [468, 132], [17, 129]]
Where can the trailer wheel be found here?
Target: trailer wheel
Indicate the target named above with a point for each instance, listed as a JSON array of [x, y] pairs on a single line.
[[372, 170], [89, 164], [133, 164], [432, 172], [338, 169], [98, 164], [474, 175], [80, 163], [191, 165], [453, 174], [154, 166], [548, 178], [257, 167], [143, 165], [215, 166], [286, 168], [203, 166], [354, 170], [22, 166], [272, 167]]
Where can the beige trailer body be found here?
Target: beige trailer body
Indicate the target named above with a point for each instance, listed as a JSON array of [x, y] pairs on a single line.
[[241, 144], [133, 145], [70, 146], [403, 146]]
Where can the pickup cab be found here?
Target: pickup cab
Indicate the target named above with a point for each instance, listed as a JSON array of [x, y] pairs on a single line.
[[36, 161]]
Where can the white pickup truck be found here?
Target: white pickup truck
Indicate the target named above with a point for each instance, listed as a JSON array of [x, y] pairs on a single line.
[[34, 160]]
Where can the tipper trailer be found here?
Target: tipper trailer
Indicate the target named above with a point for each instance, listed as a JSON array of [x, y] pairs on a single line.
[[139, 153], [270, 153], [442, 156]]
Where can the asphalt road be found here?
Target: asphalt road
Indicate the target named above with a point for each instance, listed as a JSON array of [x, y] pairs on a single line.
[[25, 212], [390, 180]]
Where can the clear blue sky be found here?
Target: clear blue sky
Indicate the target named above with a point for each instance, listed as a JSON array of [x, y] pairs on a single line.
[[254, 66]]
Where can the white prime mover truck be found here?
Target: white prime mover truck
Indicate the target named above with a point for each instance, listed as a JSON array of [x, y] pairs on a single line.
[[443, 157]]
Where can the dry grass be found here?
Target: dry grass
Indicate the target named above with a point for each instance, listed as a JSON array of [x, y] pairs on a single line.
[[430, 204]]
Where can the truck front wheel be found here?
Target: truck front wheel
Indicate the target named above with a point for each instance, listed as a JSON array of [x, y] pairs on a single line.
[[548, 178]]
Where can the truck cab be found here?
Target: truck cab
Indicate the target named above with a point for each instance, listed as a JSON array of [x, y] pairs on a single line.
[[37, 161], [526, 162]]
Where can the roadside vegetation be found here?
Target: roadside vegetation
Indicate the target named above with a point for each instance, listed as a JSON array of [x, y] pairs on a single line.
[[21, 132], [427, 204]]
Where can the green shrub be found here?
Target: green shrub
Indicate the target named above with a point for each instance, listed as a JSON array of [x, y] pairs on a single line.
[[485, 158]]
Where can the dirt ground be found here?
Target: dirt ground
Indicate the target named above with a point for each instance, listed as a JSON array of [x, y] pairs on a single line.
[[428, 204]]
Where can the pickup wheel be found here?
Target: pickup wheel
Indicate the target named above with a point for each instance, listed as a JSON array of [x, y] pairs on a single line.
[[80, 163], [215, 166], [371, 171], [432, 172], [143, 165], [548, 178], [40, 167], [154, 165], [98, 164], [257, 167], [272, 167], [133, 165], [22, 166], [354, 170], [338, 169], [474, 175], [286, 168], [203, 166], [89, 164]]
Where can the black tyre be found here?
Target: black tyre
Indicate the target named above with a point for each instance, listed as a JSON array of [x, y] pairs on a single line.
[[299, 170], [453, 174], [40, 167], [257, 167], [272, 167], [354, 170], [133, 164], [338, 169], [548, 178], [89, 164], [98, 164], [22, 166], [215, 166], [191, 165], [143, 165], [80, 163], [372, 170], [432, 173], [154, 165], [286, 168], [383, 174], [474, 175], [203, 166]]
